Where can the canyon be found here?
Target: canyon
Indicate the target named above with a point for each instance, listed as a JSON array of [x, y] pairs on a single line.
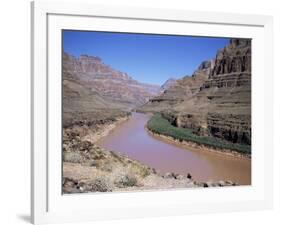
[[216, 99], [212, 104], [111, 84], [94, 93]]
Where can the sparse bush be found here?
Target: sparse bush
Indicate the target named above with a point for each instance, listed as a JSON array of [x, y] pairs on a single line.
[[160, 125], [142, 171], [126, 180], [106, 167], [101, 184], [93, 163], [72, 157], [98, 155]]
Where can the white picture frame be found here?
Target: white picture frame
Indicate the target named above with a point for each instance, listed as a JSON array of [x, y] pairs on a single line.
[[48, 205]]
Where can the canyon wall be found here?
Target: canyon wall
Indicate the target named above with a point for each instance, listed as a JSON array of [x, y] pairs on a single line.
[[179, 91], [216, 99], [111, 84]]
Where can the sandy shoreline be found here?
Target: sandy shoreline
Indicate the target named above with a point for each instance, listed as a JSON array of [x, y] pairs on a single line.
[[103, 130]]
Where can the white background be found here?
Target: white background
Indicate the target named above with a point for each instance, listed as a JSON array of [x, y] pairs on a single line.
[[15, 109]]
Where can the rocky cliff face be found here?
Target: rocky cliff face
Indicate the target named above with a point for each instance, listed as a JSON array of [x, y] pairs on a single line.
[[230, 117], [92, 73], [94, 93], [232, 65], [234, 58], [216, 100], [169, 83], [179, 90]]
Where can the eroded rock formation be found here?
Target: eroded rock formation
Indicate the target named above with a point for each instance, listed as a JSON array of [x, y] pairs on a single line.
[[216, 99], [180, 90], [91, 73]]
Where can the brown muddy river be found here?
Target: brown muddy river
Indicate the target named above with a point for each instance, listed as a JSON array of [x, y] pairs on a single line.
[[131, 138]]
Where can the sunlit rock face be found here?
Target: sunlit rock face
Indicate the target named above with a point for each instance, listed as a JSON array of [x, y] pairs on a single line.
[[229, 92], [177, 91], [93, 74], [216, 99]]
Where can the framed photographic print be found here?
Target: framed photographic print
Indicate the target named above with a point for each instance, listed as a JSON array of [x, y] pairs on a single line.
[[142, 112]]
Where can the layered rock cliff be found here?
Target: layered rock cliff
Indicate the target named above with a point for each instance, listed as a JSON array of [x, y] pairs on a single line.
[[179, 90], [216, 99], [229, 91], [94, 93], [92, 73]]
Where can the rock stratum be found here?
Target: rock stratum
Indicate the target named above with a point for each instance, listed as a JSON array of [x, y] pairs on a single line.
[[216, 99], [178, 91], [106, 84], [93, 92]]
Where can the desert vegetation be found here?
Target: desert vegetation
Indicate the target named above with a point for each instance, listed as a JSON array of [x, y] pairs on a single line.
[[159, 125], [210, 107], [90, 168]]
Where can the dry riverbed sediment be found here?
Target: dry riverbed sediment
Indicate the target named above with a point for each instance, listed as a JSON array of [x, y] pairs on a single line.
[[90, 168]]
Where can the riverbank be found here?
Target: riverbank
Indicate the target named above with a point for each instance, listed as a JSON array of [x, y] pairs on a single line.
[[159, 127], [90, 168], [102, 130]]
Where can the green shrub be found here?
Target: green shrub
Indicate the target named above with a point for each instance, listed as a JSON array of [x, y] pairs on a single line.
[[160, 125]]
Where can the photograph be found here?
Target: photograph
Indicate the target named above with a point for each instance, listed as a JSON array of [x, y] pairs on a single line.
[[148, 112]]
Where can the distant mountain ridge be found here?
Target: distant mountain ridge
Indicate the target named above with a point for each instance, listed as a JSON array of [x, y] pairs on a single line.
[[110, 84], [179, 90]]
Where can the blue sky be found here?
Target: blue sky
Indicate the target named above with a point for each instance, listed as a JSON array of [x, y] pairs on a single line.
[[146, 58]]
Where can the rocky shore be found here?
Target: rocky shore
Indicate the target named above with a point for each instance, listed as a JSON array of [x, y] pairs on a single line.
[[90, 168]]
